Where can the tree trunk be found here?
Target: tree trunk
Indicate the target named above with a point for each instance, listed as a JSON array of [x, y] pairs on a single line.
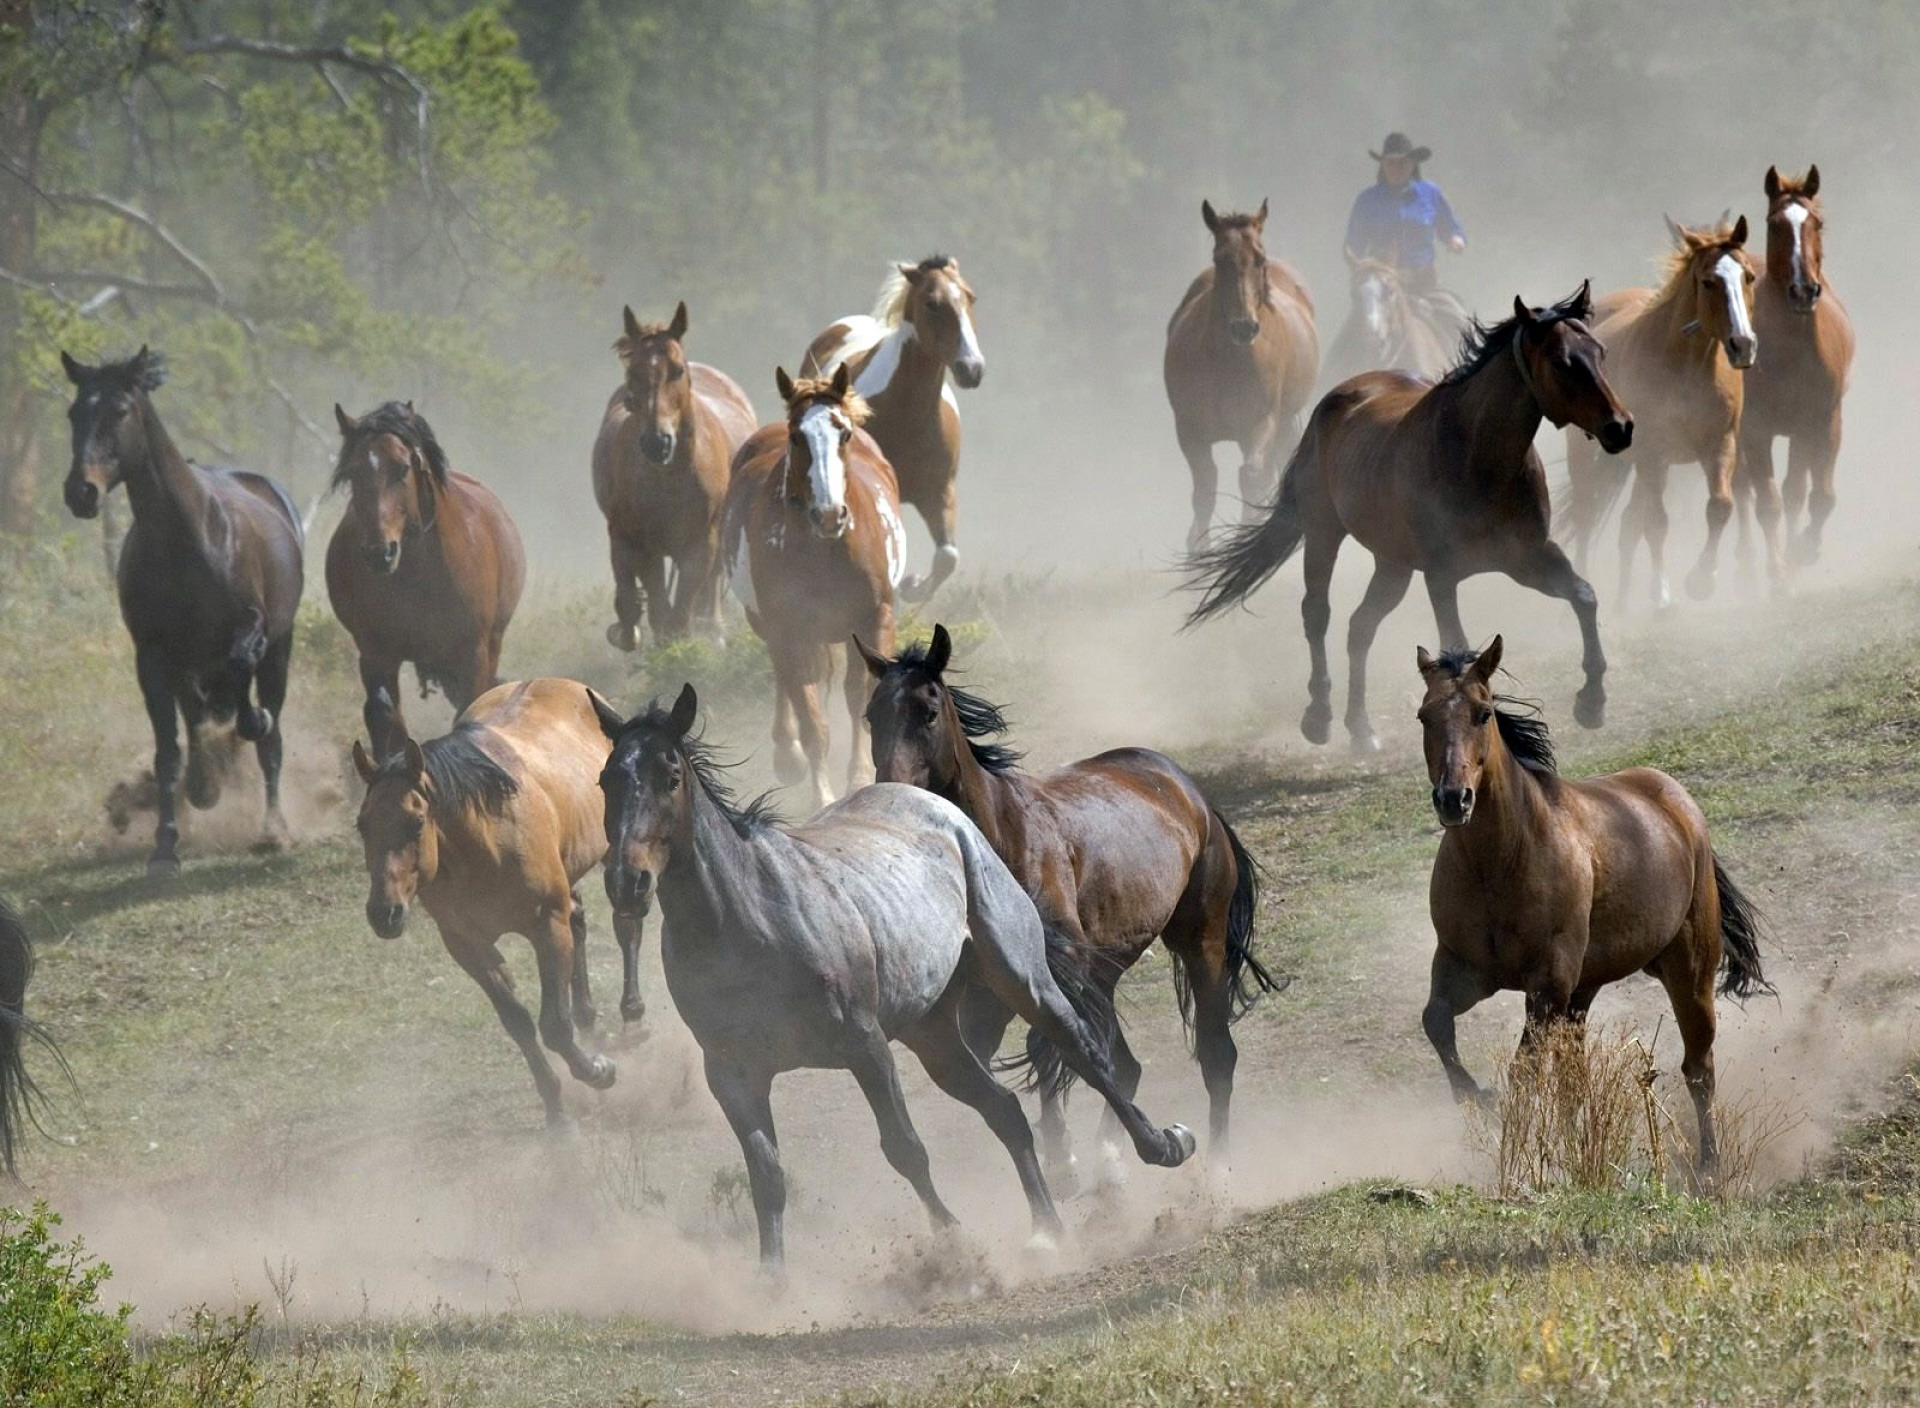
[[19, 408]]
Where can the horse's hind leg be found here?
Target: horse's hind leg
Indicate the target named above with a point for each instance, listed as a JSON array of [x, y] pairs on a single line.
[[1646, 518], [1389, 585], [871, 1061], [270, 748], [553, 950], [1316, 614], [157, 689], [745, 1098], [1201, 950], [1814, 456], [1546, 569], [1756, 471], [1206, 485], [1443, 590], [1719, 461], [1687, 970], [1454, 988], [584, 1015]]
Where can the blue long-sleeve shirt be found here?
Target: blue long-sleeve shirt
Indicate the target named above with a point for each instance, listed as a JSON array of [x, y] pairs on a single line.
[[1400, 226]]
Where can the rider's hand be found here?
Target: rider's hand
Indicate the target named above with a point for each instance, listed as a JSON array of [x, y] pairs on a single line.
[[1458, 244]]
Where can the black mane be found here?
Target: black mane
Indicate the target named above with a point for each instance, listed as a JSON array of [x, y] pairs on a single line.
[[979, 719], [397, 419], [1481, 343], [460, 773], [711, 771], [935, 261], [1525, 734]]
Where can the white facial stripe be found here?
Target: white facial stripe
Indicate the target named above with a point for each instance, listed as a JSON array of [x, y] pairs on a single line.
[[1733, 278], [373, 461], [969, 343], [885, 362], [1796, 218], [827, 476]]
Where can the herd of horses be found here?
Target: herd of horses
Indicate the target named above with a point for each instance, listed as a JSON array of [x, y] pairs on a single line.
[[961, 891]]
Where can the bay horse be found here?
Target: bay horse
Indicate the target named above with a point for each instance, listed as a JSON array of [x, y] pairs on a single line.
[[819, 946], [209, 576], [921, 330], [814, 549], [1796, 392], [491, 829], [426, 567], [1439, 478], [660, 477], [1555, 887], [1387, 327], [1679, 354], [20, 1097], [1242, 354], [1115, 850]]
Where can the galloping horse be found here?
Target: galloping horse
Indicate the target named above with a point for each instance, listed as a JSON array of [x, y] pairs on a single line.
[[1796, 391], [1115, 850], [1678, 354], [426, 566], [20, 1097], [814, 549], [209, 577], [878, 921], [660, 478], [1241, 358], [1441, 479], [921, 329], [1388, 328], [1556, 888], [491, 828]]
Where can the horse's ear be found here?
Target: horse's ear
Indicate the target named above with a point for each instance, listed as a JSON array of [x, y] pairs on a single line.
[[1353, 260], [610, 721], [912, 273], [1811, 186], [686, 711], [1739, 232], [1206, 214], [632, 323], [940, 651], [1675, 232], [362, 764], [783, 383], [416, 760], [1772, 184], [842, 381], [346, 422], [1583, 301], [74, 370], [1520, 310], [138, 366], [1260, 218], [1425, 661], [1488, 660], [677, 329], [876, 663]]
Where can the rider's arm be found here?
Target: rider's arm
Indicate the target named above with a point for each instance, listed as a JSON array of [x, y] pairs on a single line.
[[1445, 223], [1362, 237]]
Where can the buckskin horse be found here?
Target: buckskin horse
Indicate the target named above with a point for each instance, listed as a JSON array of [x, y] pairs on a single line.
[[814, 548], [1555, 888], [426, 567], [209, 576], [818, 947], [1116, 851], [660, 468], [1440, 479], [1242, 355], [1678, 354], [1796, 390], [921, 329]]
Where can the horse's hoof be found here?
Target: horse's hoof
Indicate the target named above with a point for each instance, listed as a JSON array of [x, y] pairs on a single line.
[[253, 724], [915, 588], [1365, 745], [1042, 1243], [1700, 584], [561, 1125], [1316, 725], [161, 867], [1180, 1144], [1590, 709], [623, 637], [633, 1011], [1662, 597], [600, 1074]]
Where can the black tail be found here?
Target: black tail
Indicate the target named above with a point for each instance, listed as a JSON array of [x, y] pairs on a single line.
[[1233, 569], [1076, 968], [1740, 974], [20, 1099]]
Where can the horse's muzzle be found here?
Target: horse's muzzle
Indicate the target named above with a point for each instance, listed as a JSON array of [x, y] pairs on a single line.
[[831, 523], [1244, 330], [387, 919], [968, 371], [657, 445], [83, 497], [1615, 435], [1743, 352], [629, 891], [1453, 805], [1803, 297], [384, 558]]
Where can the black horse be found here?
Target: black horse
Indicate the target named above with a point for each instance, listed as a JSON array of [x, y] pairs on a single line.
[[19, 1097]]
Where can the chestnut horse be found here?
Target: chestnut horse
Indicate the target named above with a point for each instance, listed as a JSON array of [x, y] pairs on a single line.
[[1115, 850], [920, 330], [1796, 391], [1678, 354], [1388, 327], [210, 576], [660, 477], [426, 566], [1440, 479], [491, 829], [20, 1097], [1242, 355], [814, 549], [1556, 888]]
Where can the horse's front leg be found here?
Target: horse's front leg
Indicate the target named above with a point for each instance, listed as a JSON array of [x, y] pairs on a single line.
[[1815, 456], [1646, 518], [1259, 467], [245, 657], [1719, 461], [627, 930], [585, 1017], [157, 689], [858, 686], [1454, 988], [1546, 569], [386, 725], [1206, 484], [624, 633], [746, 1099], [942, 519], [1389, 585]]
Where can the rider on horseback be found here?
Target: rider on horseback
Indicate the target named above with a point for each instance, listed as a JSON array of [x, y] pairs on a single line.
[[1397, 219]]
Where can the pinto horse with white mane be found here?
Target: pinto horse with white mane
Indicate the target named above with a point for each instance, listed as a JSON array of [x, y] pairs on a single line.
[[921, 329]]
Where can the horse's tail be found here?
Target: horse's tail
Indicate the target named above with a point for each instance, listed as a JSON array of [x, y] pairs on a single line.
[[20, 1098], [1246, 976], [1740, 973], [1233, 569]]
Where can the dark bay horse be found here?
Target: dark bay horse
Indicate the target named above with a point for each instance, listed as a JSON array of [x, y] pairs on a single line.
[[814, 548], [210, 576], [1678, 355], [491, 829], [426, 567], [20, 1096], [1556, 888], [818, 947], [660, 477], [1116, 850], [1438, 478], [921, 330], [1388, 328], [1796, 390], [1242, 355]]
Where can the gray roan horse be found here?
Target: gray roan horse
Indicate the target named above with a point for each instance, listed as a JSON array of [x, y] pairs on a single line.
[[879, 920]]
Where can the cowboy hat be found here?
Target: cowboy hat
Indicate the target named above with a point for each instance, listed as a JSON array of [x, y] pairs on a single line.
[[1398, 144]]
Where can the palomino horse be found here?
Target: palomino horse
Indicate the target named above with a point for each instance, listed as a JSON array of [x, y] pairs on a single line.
[[425, 567], [660, 477], [814, 549], [491, 828], [209, 576], [1115, 850], [921, 329], [20, 1097], [1556, 888], [1796, 391], [1389, 328], [1678, 354], [1439, 479], [1241, 358], [878, 921]]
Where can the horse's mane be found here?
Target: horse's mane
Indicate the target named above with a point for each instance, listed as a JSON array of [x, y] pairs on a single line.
[[890, 304], [122, 376], [1481, 343], [401, 421], [820, 388], [1525, 734], [460, 773], [710, 770], [1675, 263], [979, 719], [624, 344]]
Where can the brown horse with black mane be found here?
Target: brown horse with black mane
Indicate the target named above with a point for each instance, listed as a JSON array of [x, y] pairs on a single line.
[[1242, 355], [426, 567], [1556, 888], [921, 329], [1440, 479], [1116, 850], [1796, 391], [660, 476], [210, 576], [1679, 354]]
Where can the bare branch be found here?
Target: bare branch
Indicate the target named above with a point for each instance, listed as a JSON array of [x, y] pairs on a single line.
[[133, 216]]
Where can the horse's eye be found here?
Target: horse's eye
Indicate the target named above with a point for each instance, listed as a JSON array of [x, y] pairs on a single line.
[[1482, 717], [416, 825], [846, 434], [799, 440], [675, 371]]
